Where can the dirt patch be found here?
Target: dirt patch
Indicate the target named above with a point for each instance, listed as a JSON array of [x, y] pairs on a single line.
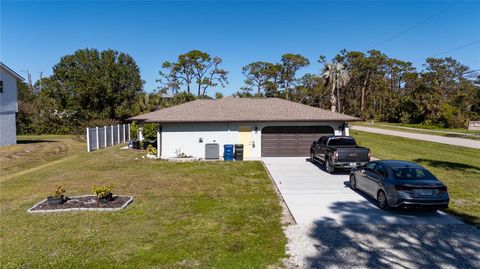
[[84, 203]]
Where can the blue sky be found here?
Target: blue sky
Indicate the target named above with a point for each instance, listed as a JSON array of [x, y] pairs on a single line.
[[34, 35]]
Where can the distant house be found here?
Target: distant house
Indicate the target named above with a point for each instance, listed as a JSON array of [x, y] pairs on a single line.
[[267, 127], [8, 105]]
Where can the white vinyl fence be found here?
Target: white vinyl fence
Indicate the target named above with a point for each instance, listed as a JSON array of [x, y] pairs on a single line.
[[107, 136]]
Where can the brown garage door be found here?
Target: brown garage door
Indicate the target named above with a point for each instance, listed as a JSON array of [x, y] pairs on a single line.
[[291, 141]]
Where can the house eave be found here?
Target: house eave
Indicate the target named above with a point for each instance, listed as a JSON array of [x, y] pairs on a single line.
[[240, 121], [11, 72]]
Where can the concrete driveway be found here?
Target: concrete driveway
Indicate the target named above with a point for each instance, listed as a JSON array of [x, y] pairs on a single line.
[[313, 195]]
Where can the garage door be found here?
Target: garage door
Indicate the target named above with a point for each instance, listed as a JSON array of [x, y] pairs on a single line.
[[291, 141]]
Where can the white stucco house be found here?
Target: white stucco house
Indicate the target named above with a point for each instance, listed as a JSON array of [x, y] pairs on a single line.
[[267, 127], [8, 105]]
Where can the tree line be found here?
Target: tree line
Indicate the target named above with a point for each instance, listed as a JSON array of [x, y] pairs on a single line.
[[92, 87]]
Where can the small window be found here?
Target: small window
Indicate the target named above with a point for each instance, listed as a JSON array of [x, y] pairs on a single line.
[[410, 173], [1, 86], [322, 141], [369, 166], [380, 169], [341, 142]]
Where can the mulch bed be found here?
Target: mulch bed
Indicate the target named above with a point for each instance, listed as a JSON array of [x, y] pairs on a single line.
[[86, 203]]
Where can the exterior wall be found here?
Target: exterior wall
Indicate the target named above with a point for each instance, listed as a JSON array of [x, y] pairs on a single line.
[[186, 136], [8, 108], [8, 130]]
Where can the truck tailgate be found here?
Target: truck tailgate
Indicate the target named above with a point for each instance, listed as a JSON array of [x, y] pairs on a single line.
[[353, 155]]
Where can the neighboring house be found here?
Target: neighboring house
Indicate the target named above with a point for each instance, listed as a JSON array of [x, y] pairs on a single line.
[[8, 105], [266, 127]]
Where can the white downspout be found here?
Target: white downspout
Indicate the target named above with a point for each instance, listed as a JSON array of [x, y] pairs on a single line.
[[159, 143], [140, 130]]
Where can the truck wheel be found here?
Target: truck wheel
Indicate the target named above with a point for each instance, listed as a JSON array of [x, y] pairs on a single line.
[[353, 182], [328, 166]]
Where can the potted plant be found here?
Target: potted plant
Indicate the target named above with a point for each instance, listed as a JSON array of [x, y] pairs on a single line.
[[58, 198], [104, 193]]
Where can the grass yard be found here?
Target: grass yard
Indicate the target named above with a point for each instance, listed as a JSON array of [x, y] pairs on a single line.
[[185, 215], [422, 129], [32, 152], [457, 167]]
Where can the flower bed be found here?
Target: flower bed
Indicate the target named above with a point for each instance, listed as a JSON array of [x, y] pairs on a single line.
[[186, 159], [83, 203]]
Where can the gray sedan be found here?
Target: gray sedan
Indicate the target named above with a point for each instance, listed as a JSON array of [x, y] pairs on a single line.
[[400, 184]]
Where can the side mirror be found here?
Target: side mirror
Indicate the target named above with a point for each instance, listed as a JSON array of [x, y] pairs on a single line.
[[362, 168]]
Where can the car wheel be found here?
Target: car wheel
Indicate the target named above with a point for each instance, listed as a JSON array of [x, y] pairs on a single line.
[[312, 158], [382, 200], [328, 166], [353, 182]]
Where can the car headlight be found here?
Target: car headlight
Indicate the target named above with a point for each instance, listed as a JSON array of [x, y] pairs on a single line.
[[403, 194]]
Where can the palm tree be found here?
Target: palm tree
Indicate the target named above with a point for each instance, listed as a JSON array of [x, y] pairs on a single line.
[[337, 76]]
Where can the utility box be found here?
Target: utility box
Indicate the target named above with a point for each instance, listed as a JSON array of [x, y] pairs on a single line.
[[212, 151]]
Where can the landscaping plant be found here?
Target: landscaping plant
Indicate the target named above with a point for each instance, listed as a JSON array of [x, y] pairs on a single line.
[[57, 198], [59, 192], [152, 150], [103, 192]]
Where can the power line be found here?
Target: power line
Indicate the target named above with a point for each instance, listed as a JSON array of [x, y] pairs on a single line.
[[415, 25], [452, 50], [457, 48], [471, 71]]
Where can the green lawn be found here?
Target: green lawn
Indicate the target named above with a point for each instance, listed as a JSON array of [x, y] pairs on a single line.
[[422, 129], [34, 151], [457, 167], [185, 215]]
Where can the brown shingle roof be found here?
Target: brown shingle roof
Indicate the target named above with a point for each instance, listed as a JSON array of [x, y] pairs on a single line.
[[241, 110]]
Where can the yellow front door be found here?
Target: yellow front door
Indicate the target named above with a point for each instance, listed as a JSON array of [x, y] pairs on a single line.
[[245, 138]]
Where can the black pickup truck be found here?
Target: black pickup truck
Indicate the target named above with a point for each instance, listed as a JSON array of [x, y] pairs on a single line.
[[338, 152]]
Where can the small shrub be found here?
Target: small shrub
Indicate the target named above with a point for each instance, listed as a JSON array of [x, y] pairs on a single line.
[[102, 191], [149, 130], [59, 192], [180, 154], [151, 150]]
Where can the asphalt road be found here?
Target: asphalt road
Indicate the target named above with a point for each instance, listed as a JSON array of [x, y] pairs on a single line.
[[469, 143]]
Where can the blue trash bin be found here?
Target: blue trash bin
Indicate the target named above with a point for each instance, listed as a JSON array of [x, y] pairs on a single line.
[[228, 152]]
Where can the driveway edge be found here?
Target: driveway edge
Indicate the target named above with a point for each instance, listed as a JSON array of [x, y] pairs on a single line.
[[287, 217]]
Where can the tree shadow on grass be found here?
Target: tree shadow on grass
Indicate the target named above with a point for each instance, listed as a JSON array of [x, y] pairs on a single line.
[[384, 245], [33, 141], [467, 218], [450, 165]]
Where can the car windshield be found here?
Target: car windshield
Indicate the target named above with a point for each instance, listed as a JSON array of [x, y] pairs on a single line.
[[410, 173], [341, 142]]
